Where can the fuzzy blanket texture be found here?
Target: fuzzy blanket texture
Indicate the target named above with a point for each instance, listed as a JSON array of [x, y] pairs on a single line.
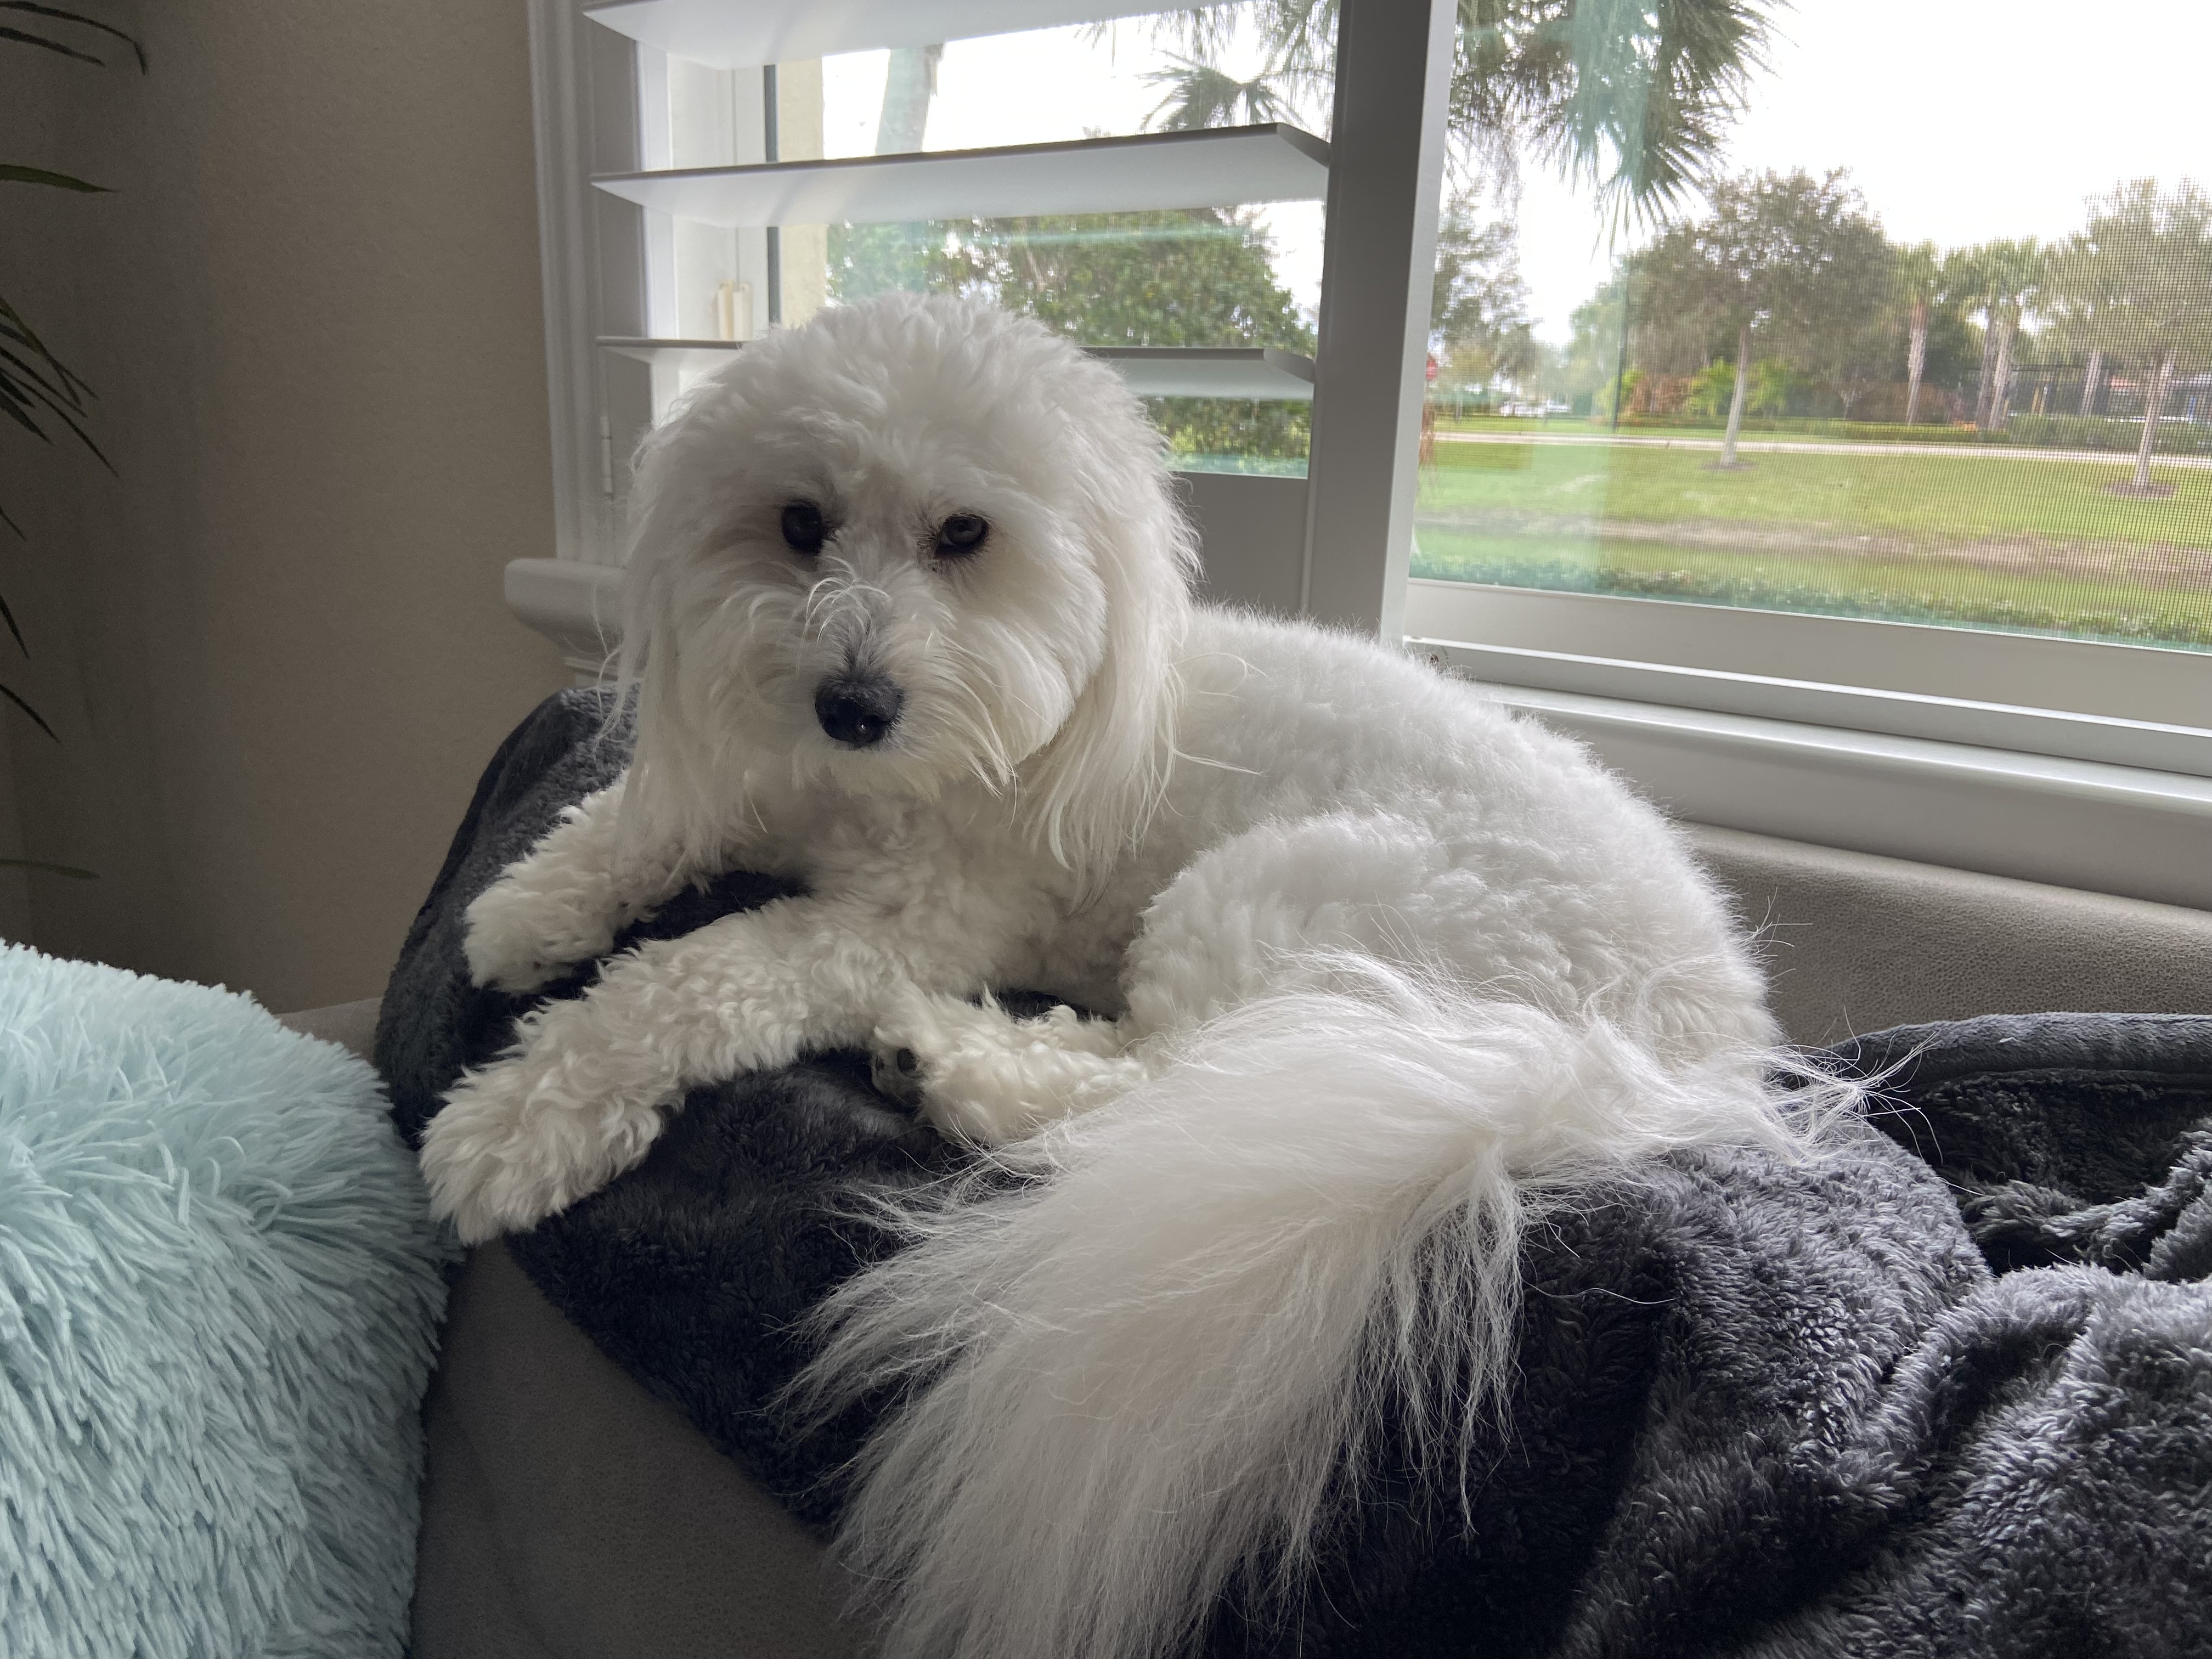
[[1949, 1392], [220, 1290]]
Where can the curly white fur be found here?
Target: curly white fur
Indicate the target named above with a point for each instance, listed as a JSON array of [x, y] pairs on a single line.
[[1386, 972]]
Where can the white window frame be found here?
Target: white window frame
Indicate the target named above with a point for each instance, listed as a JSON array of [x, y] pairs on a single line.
[[2078, 763]]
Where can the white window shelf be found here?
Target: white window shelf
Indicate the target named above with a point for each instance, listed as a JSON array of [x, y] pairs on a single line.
[[1222, 167], [692, 356], [1260, 371], [1248, 371], [723, 35]]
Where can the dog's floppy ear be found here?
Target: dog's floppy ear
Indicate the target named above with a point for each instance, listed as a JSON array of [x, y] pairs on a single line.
[[1096, 786], [679, 796]]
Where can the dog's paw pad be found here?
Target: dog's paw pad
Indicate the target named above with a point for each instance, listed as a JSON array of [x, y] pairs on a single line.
[[897, 1075]]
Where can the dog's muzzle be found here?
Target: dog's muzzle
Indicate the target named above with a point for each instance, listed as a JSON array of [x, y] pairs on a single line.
[[858, 711]]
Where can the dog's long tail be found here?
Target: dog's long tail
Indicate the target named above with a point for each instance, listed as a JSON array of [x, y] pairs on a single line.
[[1137, 1363]]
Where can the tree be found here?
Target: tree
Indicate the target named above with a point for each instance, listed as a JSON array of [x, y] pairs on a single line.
[[2009, 277], [1633, 96], [1195, 94], [1790, 260], [2003, 281], [1847, 337], [1592, 365], [884, 259], [1479, 322], [2141, 272], [1920, 285], [1200, 277], [2075, 305]]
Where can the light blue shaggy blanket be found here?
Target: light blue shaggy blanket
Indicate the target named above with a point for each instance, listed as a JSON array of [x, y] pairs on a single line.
[[220, 1290]]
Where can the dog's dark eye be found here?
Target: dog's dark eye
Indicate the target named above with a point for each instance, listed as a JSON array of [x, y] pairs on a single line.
[[960, 535], [804, 531]]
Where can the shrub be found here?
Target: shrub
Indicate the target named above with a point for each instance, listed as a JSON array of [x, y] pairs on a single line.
[[2100, 432]]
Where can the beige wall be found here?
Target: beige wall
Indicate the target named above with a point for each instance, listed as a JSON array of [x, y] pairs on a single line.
[[274, 645]]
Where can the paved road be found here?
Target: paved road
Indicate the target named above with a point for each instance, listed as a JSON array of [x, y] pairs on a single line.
[[1814, 446]]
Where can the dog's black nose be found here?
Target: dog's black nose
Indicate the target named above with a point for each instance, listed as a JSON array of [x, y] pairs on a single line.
[[857, 712]]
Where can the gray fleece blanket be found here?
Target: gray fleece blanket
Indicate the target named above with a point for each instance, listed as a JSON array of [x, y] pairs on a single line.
[[1949, 1392]]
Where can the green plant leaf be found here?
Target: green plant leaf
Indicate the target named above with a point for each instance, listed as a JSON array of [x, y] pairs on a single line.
[[13, 327], [24, 390], [34, 382], [18, 409], [40, 41], [73, 385], [21, 400], [13, 366], [50, 868], [37, 719], [27, 383], [12, 174], [78, 17]]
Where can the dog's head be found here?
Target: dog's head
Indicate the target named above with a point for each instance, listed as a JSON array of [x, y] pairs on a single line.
[[916, 541]]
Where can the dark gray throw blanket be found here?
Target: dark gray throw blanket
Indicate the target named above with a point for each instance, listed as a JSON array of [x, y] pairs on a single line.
[[1949, 1392]]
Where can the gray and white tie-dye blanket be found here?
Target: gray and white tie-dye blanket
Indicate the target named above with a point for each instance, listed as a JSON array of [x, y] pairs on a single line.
[[1949, 1392]]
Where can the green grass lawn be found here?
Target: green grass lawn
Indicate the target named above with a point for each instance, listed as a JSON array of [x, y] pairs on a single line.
[[2004, 542]]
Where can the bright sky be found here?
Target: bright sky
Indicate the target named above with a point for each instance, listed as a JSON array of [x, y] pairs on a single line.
[[1960, 119]]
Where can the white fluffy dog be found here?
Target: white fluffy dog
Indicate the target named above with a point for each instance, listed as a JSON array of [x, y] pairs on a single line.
[[1382, 971]]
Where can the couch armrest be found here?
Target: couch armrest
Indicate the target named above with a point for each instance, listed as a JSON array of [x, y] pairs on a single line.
[[350, 1024]]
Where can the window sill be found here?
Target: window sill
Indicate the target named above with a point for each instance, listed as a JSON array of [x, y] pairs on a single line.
[[2088, 825], [2130, 830], [576, 605]]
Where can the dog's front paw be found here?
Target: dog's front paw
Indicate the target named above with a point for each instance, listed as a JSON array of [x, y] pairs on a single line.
[[983, 1104], [897, 1072], [979, 1076], [518, 939], [506, 1151]]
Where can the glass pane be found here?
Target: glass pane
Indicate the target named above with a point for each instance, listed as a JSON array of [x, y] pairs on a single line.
[[1227, 65], [1243, 277], [1887, 310], [1207, 277]]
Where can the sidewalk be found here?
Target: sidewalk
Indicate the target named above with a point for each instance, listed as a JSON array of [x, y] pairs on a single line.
[[1823, 446]]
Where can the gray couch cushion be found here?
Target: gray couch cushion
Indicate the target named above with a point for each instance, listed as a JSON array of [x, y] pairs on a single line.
[[1857, 943], [569, 1515]]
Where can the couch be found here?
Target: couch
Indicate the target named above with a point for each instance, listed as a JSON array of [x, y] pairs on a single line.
[[569, 1513]]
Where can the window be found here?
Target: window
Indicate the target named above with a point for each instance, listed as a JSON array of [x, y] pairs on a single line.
[[1767, 435], [1826, 428], [1170, 189], [1149, 183]]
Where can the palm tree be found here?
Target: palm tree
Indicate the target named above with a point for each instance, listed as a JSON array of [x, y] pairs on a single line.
[[1633, 98], [2093, 378], [1965, 291], [1196, 94], [2012, 280], [1920, 281], [1996, 279], [2078, 302], [909, 83]]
